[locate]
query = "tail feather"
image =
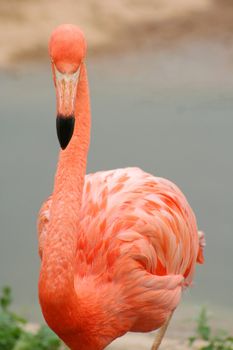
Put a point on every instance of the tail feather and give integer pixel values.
(154, 299)
(202, 243)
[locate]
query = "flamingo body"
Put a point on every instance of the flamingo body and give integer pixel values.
(117, 247)
(136, 250)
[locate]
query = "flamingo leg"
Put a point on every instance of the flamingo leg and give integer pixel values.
(159, 336)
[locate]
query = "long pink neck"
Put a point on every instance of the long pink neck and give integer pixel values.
(56, 283)
(79, 316)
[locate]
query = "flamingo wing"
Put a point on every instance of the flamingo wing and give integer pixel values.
(128, 203)
(138, 231)
(42, 223)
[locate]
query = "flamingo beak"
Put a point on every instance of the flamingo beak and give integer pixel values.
(66, 91)
(65, 129)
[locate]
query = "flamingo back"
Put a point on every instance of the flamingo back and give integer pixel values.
(137, 240)
(125, 207)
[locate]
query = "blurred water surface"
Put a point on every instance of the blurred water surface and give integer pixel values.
(168, 112)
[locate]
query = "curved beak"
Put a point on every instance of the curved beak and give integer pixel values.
(66, 91)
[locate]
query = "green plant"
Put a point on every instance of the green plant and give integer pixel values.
(13, 335)
(219, 341)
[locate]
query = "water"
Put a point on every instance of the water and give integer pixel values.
(168, 112)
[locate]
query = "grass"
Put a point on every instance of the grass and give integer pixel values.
(13, 335)
(220, 340)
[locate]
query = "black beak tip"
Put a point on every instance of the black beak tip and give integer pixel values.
(65, 129)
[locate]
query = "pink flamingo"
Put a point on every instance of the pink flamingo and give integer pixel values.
(117, 247)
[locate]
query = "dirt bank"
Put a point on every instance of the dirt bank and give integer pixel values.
(109, 25)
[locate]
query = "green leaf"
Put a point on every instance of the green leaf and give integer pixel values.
(27, 341)
(10, 331)
(48, 339)
(218, 341)
(208, 347)
(44, 339)
(6, 298)
(192, 340)
(14, 337)
(203, 328)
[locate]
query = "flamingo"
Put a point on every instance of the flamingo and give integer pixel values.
(117, 247)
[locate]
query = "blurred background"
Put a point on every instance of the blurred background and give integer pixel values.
(161, 81)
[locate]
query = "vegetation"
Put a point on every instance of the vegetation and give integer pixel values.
(219, 341)
(13, 335)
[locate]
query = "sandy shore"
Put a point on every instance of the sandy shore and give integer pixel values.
(144, 341)
(109, 25)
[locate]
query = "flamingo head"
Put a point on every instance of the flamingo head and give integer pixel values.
(67, 49)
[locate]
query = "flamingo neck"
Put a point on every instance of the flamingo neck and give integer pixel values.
(56, 284)
(71, 169)
(81, 316)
